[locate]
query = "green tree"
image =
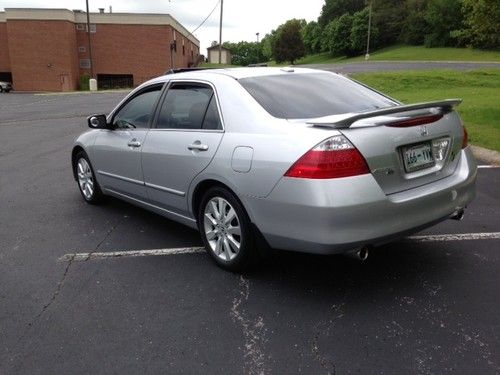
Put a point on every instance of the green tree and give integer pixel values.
(326, 41)
(311, 35)
(482, 24)
(389, 16)
(414, 26)
(359, 32)
(267, 45)
(288, 44)
(443, 17)
(333, 9)
(245, 53)
(337, 36)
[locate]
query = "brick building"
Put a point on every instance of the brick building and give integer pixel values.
(48, 49)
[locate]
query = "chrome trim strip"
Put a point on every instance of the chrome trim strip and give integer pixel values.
(164, 189)
(186, 130)
(150, 205)
(121, 178)
(147, 184)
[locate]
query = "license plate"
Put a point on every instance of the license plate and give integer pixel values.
(417, 157)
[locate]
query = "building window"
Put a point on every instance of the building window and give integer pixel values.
(115, 81)
(80, 26)
(183, 50)
(84, 63)
(82, 49)
(93, 28)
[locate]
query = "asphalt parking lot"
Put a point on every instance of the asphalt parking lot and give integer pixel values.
(427, 305)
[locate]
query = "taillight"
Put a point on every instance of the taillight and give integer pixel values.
(415, 121)
(333, 158)
(465, 140)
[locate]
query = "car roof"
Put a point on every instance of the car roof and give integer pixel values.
(247, 72)
(239, 73)
(234, 73)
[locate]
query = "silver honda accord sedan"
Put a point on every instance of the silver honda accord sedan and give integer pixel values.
(293, 159)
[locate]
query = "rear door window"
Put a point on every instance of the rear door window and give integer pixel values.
(212, 119)
(189, 106)
(303, 96)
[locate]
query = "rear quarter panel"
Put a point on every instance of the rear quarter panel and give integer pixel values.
(276, 143)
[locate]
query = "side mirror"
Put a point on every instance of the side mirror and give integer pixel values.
(98, 122)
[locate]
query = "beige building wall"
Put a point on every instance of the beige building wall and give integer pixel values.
(213, 56)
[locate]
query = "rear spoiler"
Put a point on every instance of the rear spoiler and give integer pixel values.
(345, 121)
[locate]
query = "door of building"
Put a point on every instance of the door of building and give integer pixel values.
(65, 82)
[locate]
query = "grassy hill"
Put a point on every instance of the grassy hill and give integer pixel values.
(410, 53)
(479, 89)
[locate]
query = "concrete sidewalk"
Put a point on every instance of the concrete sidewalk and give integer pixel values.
(488, 156)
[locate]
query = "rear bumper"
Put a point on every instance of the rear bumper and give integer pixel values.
(338, 215)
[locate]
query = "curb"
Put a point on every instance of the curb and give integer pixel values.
(489, 156)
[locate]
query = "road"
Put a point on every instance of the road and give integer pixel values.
(414, 307)
(389, 66)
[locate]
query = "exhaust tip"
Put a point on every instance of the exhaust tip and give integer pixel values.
(363, 254)
(359, 254)
(458, 215)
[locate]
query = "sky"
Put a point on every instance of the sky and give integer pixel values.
(242, 18)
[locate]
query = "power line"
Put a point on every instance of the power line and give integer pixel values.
(205, 20)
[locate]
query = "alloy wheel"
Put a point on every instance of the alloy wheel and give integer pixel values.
(222, 228)
(85, 178)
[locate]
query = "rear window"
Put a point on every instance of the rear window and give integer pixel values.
(302, 96)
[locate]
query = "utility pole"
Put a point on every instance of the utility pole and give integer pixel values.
(257, 37)
(367, 56)
(220, 31)
(90, 44)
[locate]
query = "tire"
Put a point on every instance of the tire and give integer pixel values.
(85, 178)
(1, 89)
(224, 224)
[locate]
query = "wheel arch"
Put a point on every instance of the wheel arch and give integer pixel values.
(263, 245)
(75, 152)
(203, 186)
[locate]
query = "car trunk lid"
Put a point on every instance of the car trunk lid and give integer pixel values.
(404, 146)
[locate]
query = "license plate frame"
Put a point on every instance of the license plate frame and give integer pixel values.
(420, 152)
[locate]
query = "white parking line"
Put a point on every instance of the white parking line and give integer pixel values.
(487, 166)
(455, 237)
(79, 257)
(131, 253)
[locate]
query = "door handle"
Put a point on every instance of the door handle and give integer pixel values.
(134, 143)
(198, 146)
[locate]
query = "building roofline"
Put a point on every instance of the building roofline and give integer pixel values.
(217, 47)
(58, 14)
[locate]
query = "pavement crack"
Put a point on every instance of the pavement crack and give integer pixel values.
(108, 233)
(53, 298)
(70, 259)
(321, 328)
(60, 284)
(253, 331)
